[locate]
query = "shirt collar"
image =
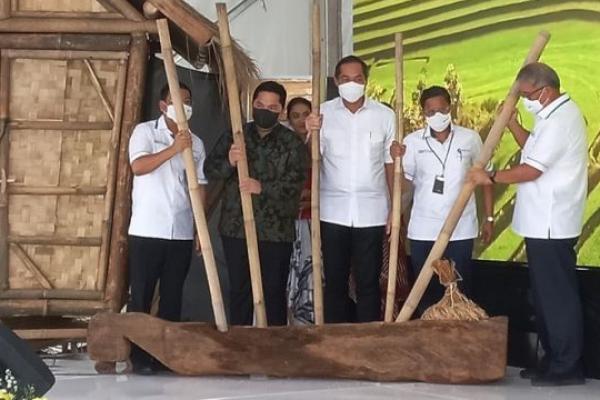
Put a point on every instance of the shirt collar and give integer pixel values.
(161, 124)
(553, 106)
(367, 104)
(427, 131)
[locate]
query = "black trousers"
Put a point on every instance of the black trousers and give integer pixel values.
(459, 251)
(360, 250)
(152, 260)
(275, 268)
(557, 303)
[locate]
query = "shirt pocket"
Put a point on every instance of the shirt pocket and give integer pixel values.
(464, 156)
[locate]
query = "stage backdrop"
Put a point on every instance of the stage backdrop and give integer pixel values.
(474, 48)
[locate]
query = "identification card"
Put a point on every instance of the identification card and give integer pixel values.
(438, 185)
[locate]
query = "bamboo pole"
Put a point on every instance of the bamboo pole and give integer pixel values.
(4, 156)
(397, 189)
(5, 9)
(56, 240)
(43, 334)
(468, 188)
(65, 54)
(31, 266)
(196, 26)
(51, 294)
(125, 8)
(233, 95)
(117, 266)
(75, 25)
(192, 179)
(66, 15)
(65, 41)
(315, 222)
(57, 190)
(109, 198)
(61, 125)
(100, 90)
(44, 307)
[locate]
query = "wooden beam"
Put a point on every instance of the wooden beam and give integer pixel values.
(44, 334)
(430, 351)
(65, 41)
(55, 240)
(65, 54)
(124, 7)
(75, 25)
(132, 109)
(31, 266)
(49, 294)
(43, 307)
(20, 189)
(4, 156)
(5, 9)
(60, 125)
(113, 155)
(65, 15)
(100, 90)
(199, 28)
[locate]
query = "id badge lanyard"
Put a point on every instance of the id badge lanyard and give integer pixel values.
(438, 182)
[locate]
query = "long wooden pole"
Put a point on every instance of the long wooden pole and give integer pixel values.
(4, 156)
(490, 144)
(317, 261)
(233, 95)
(75, 25)
(397, 189)
(192, 179)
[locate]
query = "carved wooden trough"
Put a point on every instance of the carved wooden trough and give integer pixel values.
(429, 351)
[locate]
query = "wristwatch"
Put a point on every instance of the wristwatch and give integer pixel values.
(492, 175)
(490, 219)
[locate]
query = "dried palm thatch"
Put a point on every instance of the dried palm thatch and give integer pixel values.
(454, 305)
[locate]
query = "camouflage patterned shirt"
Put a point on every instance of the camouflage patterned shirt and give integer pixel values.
(279, 162)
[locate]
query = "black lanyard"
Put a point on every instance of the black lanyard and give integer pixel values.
(442, 163)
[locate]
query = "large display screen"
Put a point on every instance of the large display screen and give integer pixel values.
(474, 48)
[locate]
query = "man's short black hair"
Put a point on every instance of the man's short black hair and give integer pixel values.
(164, 92)
(273, 87)
(297, 100)
(434, 91)
(350, 60)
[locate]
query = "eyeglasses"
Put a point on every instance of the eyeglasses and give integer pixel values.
(529, 94)
(431, 113)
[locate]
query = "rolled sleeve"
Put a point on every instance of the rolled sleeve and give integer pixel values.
(547, 148)
(140, 143)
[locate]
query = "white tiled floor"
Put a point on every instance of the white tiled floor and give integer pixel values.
(77, 380)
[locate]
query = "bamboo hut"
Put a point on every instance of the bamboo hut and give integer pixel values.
(72, 76)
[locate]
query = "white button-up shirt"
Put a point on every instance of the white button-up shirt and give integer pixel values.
(421, 166)
(161, 205)
(354, 149)
(551, 207)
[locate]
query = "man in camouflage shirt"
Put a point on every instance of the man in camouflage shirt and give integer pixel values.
(277, 161)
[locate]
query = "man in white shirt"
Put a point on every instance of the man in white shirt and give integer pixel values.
(161, 230)
(551, 192)
(436, 161)
(356, 176)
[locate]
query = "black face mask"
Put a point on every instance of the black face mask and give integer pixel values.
(265, 118)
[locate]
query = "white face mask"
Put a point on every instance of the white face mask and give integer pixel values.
(533, 106)
(438, 122)
(187, 109)
(351, 91)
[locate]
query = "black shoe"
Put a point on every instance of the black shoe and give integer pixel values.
(530, 373)
(564, 379)
(143, 369)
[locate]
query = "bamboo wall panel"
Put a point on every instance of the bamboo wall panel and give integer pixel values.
(59, 5)
(65, 267)
(84, 158)
(32, 215)
(82, 101)
(37, 89)
(34, 157)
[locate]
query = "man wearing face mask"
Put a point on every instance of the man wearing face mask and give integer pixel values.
(436, 160)
(551, 191)
(161, 230)
(277, 162)
(356, 179)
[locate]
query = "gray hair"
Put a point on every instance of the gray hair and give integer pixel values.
(539, 74)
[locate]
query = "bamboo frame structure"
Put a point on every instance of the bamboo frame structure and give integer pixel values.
(192, 180)
(65, 54)
(65, 41)
(317, 260)
(51, 294)
(132, 109)
(468, 188)
(397, 188)
(4, 156)
(242, 166)
(31, 266)
(75, 25)
(109, 198)
(61, 125)
(98, 86)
